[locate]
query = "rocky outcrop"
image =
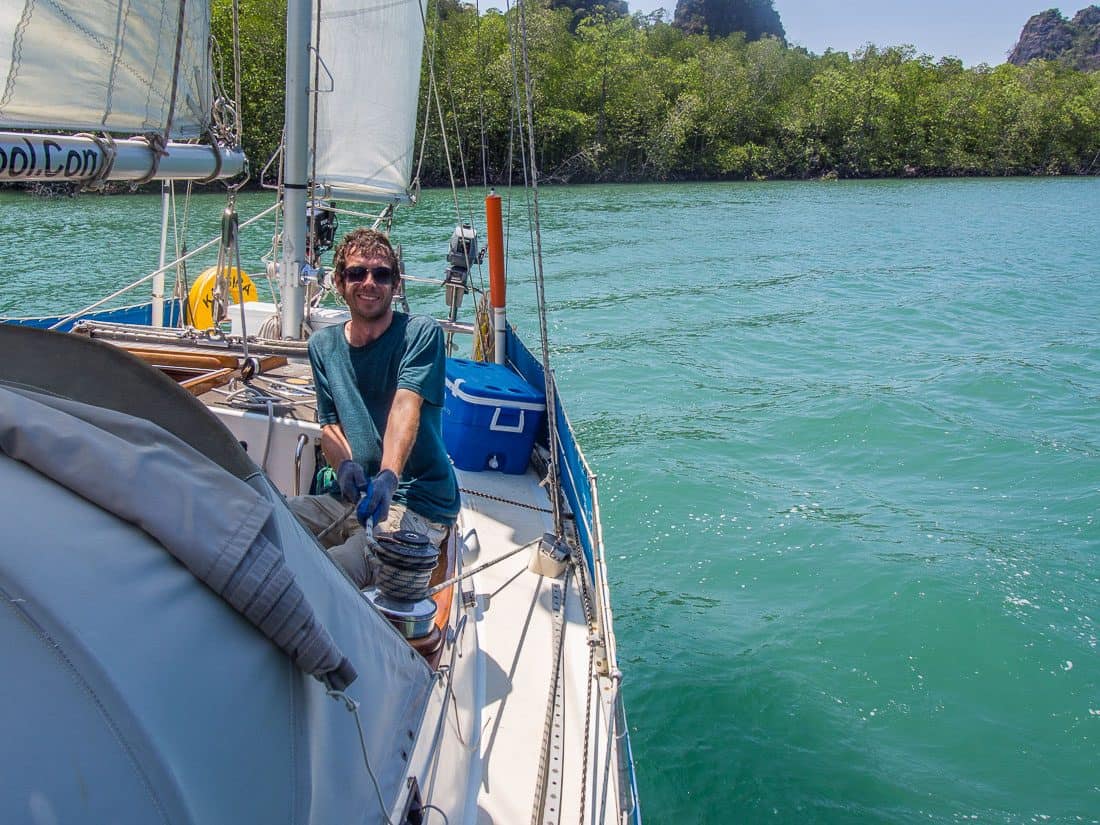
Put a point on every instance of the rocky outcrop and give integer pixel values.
(1087, 23)
(1050, 36)
(720, 18)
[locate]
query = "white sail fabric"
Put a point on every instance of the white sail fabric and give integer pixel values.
(105, 65)
(366, 125)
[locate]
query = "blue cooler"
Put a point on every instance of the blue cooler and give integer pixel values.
(490, 416)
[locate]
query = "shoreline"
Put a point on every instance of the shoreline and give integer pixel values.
(61, 189)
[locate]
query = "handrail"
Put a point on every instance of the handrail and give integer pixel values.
(303, 439)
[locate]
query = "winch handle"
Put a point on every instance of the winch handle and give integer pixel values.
(361, 514)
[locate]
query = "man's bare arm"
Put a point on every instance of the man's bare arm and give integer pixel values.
(401, 427)
(334, 444)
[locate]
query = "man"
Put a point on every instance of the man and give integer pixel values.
(379, 380)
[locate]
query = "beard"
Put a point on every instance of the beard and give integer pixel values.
(361, 305)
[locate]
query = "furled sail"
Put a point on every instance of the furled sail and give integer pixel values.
(106, 65)
(366, 124)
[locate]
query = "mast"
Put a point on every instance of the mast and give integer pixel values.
(295, 168)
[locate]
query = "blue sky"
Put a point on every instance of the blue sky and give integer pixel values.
(977, 31)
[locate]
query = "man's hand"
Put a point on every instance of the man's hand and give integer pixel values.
(352, 480)
(382, 488)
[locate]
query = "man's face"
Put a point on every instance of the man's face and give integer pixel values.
(366, 288)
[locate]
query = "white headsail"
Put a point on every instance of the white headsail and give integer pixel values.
(106, 65)
(367, 124)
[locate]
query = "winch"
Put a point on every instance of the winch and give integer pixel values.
(401, 593)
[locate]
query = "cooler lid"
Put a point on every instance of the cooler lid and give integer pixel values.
(479, 382)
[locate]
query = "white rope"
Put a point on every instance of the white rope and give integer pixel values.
(353, 708)
(585, 769)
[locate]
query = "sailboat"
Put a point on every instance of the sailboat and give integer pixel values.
(180, 648)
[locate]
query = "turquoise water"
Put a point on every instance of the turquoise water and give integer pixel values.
(848, 439)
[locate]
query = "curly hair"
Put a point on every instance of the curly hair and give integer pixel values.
(364, 243)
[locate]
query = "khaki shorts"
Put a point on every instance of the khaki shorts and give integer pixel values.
(348, 543)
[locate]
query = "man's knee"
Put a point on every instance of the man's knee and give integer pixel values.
(360, 565)
(402, 518)
(324, 513)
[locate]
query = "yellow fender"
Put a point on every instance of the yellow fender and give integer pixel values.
(200, 300)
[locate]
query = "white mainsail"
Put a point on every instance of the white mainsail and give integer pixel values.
(106, 65)
(366, 125)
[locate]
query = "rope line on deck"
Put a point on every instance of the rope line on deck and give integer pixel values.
(587, 727)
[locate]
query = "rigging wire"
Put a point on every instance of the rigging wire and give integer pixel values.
(458, 136)
(181, 251)
(313, 256)
(439, 106)
(238, 127)
(433, 93)
(181, 21)
(427, 121)
(540, 283)
(316, 92)
(515, 124)
(481, 96)
(271, 258)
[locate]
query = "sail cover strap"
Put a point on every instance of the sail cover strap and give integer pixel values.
(206, 518)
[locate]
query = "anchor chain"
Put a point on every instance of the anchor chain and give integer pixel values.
(503, 500)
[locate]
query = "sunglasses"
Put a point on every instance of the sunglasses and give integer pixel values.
(383, 275)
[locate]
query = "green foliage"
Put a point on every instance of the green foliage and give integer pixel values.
(635, 98)
(263, 60)
(621, 98)
(583, 9)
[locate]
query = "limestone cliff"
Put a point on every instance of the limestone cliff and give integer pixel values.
(719, 18)
(1050, 36)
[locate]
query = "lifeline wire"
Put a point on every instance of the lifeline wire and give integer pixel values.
(153, 274)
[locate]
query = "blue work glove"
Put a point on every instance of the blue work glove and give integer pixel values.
(352, 480)
(375, 505)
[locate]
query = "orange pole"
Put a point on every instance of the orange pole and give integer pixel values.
(494, 228)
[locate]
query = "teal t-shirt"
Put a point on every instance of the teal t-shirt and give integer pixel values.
(356, 386)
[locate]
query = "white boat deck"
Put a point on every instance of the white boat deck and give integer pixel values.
(516, 632)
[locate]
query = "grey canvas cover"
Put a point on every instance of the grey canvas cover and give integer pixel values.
(132, 692)
(70, 443)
